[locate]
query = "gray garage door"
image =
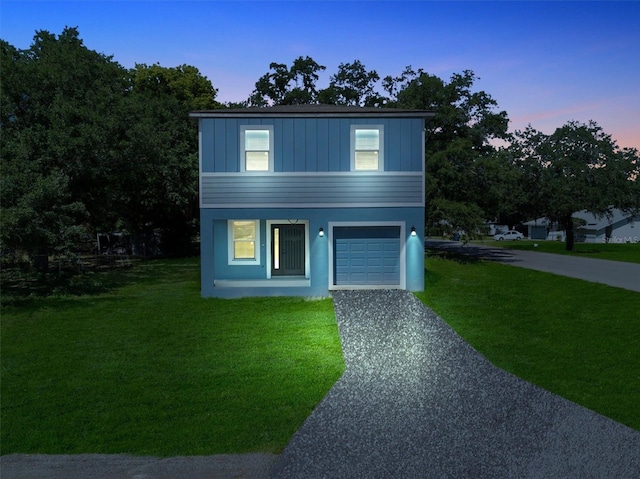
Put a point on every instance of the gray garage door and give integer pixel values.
(367, 256)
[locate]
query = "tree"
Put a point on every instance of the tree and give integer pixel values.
(162, 185)
(185, 83)
(577, 167)
(59, 133)
(88, 146)
(465, 172)
(352, 85)
(288, 86)
(467, 176)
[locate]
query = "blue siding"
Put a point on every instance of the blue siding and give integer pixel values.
(317, 190)
(232, 144)
(334, 142)
(391, 146)
(322, 159)
(312, 182)
(310, 144)
(214, 262)
(301, 144)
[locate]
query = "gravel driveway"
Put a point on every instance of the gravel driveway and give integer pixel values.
(416, 401)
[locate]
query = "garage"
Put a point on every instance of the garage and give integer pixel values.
(367, 256)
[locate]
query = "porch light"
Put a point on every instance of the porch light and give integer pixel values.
(413, 231)
(321, 231)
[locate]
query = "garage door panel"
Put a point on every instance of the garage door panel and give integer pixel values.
(374, 247)
(389, 262)
(341, 247)
(357, 247)
(391, 246)
(374, 262)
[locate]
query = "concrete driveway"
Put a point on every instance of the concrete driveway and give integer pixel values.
(612, 273)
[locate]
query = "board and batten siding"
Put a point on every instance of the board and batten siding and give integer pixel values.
(310, 144)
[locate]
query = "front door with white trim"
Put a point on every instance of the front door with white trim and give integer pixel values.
(287, 250)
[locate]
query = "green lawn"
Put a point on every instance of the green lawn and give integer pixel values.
(152, 368)
(628, 252)
(149, 367)
(577, 339)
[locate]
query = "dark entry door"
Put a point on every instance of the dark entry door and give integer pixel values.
(287, 250)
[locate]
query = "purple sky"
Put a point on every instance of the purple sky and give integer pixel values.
(545, 63)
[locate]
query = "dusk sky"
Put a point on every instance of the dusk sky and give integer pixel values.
(545, 63)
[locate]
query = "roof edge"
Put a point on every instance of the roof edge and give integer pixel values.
(316, 111)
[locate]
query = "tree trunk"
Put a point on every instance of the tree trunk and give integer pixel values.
(568, 228)
(41, 260)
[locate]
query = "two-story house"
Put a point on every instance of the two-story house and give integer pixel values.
(301, 200)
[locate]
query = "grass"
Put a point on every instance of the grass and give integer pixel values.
(628, 252)
(577, 339)
(148, 367)
(151, 368)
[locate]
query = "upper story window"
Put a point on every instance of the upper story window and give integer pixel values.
(367, 148)
(244, 241)
(256, 147)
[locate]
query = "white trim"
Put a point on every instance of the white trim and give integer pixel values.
(201, 175)
(286, 282)
(243, 165)
(403, 262)
(310, 205)
(307, 250)
(313, 173)
(423, 164)
(352, 147)
(232, 261)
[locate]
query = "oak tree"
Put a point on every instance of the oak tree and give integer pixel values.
(578, 167)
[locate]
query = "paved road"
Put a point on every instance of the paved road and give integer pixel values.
(612, 273)
(123, 466)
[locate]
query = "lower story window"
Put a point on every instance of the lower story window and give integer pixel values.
(244, 242)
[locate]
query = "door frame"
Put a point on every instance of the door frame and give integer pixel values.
(307, 259)
(403, 261)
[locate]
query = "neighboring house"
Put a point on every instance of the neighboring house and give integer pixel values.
(619, 227)
(301, 200)
(543, 229)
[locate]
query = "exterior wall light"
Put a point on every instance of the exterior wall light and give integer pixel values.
(413, 231)
(321, 231)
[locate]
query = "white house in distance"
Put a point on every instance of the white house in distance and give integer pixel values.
(620, 227)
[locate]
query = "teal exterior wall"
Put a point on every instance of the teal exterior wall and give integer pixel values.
(214, 249)
(310, 144)
(310, 180)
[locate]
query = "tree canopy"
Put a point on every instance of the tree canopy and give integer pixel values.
(577, 167)
(465, 174)
(89, 146)
(295, 85)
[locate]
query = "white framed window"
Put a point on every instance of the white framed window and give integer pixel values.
(256, 148)
(367, 148)
(244, 242)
